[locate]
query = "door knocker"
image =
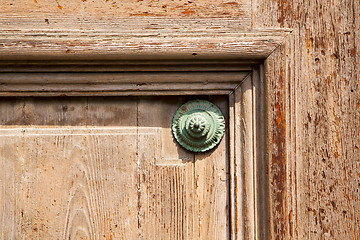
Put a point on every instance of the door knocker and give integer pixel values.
(198, 125)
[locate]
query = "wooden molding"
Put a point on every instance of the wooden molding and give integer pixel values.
(137, 38)
(162, 79)
(153, 56)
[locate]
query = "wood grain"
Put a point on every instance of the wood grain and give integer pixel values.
(136, 38)
(211, 175)
(106, 168)
(198, 185)
(65, 183)
(311, 85)
(54, 11)
(314, 81)
(261, 202)
(167, 180)
(247, 157)
(57, 80)
(193, 65)
(167, 82)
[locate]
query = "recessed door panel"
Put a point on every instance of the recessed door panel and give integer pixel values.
(107, 168)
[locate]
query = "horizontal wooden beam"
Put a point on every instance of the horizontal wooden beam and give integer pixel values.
(108, 78)
(100, 84)
(114, 93)
(141, 38)
(117, 87)
(124, 66)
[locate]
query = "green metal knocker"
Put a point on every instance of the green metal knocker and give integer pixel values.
(198, 125)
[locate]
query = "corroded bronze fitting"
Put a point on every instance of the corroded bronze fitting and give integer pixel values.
(198, 125)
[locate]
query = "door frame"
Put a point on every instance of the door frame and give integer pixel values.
(242, 64)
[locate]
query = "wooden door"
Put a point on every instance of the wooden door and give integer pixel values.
(107, 168)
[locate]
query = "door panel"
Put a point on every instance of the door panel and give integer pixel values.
(107, 168)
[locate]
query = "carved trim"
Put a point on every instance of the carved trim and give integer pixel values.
(165, 48)
(120, 78)
(140, 38)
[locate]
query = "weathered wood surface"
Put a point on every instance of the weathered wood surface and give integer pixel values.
(105, 9)
(123, 78)
(112, 66)
(314, 118)
(165, 41)
(115, 37)
(312, 95)
(124, 84)
(210, 190)
(107, 168)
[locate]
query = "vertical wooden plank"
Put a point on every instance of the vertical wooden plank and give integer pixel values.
(238, 166)
(295, 167)
(247, 156)
(8, 208)
(165, 173)
(104, 183)
(276, 150)
(212, 187)
(232, 167)
(260, 178)
(165, 203)
(316, 84)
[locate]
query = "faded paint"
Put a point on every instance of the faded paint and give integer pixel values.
(117, 8)
(319, 70)
(321, 75)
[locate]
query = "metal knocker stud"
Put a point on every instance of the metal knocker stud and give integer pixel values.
(198, 125)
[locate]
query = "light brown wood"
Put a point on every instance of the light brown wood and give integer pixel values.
(107, 168)
(131, 82)
(247, 157)
(136, 38)
(90, 11)
(64, 180)
(193, 65)
(211, 173)
(313, 118)
(311, 86)
(64, 183)
(167, 180)
(236, 166)
(215, 181)
(233, 180)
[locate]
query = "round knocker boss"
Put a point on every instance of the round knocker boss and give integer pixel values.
(198, 125)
